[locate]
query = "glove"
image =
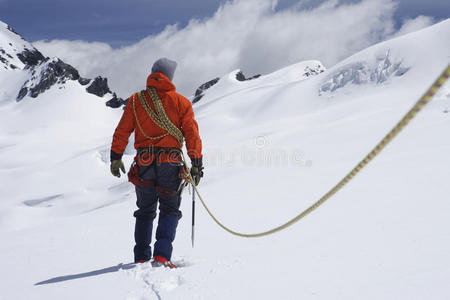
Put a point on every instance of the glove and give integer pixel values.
(196, 173)
(116, 166)
(197, 170)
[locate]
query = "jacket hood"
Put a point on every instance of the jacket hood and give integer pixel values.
(160, 82)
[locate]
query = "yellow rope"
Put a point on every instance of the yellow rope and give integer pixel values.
(160, 118)
(164, 119)
(426, 98)
(139, 124)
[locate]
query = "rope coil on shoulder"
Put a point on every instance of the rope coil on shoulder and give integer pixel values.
(166, 122)
(160, 118)
(424, 100)
(139, 124)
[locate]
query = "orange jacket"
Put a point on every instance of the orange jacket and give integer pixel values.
(178, 109)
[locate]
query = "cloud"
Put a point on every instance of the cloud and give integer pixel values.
(247, 34)
(79, 53)
(411, 25)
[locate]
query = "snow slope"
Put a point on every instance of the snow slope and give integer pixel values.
(273, 146)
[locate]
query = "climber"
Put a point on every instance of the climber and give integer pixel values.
(160, 119)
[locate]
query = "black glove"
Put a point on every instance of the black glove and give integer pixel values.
(116, 166)
(197, 170)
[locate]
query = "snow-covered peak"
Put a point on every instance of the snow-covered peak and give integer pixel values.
(236, 81)
(15, 51)
(296, 72)
(25, 71)
(46, 75)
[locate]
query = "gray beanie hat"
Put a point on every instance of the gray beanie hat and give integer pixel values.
(165, 66)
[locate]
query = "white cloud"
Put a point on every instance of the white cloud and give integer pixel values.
(411, 25)
(247, 34)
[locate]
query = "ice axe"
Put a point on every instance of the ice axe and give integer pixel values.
(187, 179)
(193, 216)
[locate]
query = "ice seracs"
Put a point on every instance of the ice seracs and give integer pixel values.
(381, 69)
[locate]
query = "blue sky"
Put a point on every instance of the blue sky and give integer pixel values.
(124, 22)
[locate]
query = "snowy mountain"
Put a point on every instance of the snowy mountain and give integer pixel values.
(273, 145)
(297, 72)
(24, 71)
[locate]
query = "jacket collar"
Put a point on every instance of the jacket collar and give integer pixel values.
(160, 82)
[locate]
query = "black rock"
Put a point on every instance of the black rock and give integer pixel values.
(11, 29)
(3, 60)
(22, 93)
(31, 57)
(199, 93)
(241, 77)
(115, 102)
(313, 72)
(55, 71)
(99, 87)
(84, 81)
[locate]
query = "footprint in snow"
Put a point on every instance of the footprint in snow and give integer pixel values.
(157, 280)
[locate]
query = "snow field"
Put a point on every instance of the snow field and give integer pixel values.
(272, 148)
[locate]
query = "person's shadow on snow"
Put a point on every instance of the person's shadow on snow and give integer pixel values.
(113, 269)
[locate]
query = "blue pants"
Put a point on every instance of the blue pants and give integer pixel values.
(166, 176)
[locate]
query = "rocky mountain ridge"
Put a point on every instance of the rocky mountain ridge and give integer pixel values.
(41, 73)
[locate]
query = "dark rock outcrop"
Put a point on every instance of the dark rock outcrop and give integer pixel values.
(313, 71)
(3, 60)
(22, 93)
(241, 77)
(31, 57)
(115, 102)
(45, 76)
(44, 73)
(11, 29)
(99, 87)
(199, 93)
(84, 81)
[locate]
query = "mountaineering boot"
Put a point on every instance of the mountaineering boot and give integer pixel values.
(143, 236)
(159, 261)
(141, 261)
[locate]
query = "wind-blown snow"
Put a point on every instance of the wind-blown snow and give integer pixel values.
(273, 146)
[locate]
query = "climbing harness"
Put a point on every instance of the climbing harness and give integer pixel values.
(424, 100)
